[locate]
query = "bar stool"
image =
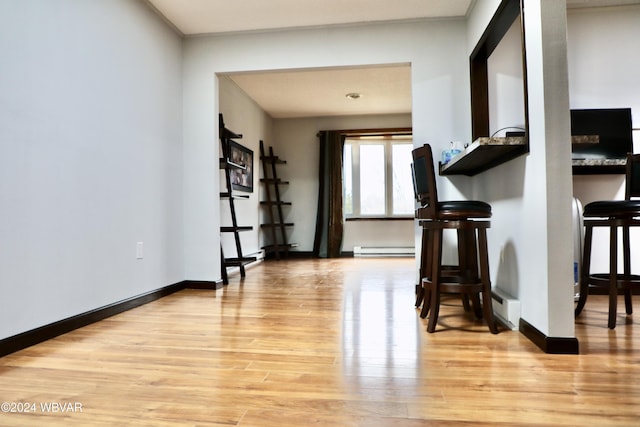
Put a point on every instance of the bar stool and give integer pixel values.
(470, 277)
(613, 214)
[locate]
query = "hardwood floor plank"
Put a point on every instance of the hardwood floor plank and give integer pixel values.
(322, 342)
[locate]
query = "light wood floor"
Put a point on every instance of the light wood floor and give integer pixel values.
(323, 343)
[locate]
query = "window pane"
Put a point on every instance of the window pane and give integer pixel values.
(372, 188)
(348, 180)
(402, 186)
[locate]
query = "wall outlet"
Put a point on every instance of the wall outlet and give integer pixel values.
(139, 250)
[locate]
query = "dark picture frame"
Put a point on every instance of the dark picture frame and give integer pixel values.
(241, 172)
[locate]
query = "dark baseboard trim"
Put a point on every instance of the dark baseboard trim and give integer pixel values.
(550, 345)
(52, 330)
(203, 284)
(271, 256)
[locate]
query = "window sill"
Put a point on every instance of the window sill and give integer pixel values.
(381, 218)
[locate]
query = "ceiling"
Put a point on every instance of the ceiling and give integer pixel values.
(320, 92)
(312, 92)
(219, 16)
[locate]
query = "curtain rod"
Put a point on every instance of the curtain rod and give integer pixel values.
(372, 132)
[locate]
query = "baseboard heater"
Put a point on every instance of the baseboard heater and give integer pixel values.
(363, 251)
(506, 308)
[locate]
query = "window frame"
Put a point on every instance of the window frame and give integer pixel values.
(388, 141)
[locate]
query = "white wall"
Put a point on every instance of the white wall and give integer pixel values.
(91, 160)
(242, 115)
(603, 64)
(603, 59)
(295, 140)
(530, 235)
(530, 239)
(506, 87)
(440, 91)
(90, 157)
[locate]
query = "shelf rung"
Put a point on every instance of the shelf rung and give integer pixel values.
(236, 262)
(280, 246)
(274, 203)
(224, 164)
(274, 159)
(231, 229)
(227, 134)
(285, 224)
(226, 194)
(274, 181)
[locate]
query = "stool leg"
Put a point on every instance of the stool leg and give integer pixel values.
(584, 273)
(613, 273)
(468, 266)
(426, 303)
(433, 271)
(462, 260)
(466, 303)
(477, 306)
(436, 263)
(486, 282)
(626, 245)
(426, 258)
(468, 254)
(424, 254)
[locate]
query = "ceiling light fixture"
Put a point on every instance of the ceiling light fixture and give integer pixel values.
(353, 95)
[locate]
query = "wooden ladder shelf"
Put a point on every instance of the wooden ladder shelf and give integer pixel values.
(275, 227)
(240, 260)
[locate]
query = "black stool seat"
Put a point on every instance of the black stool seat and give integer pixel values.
(612, 208)
(463, 209)
(456, 210)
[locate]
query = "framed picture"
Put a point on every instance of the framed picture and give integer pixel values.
(241, 158)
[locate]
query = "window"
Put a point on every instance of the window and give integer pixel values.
(377, 177)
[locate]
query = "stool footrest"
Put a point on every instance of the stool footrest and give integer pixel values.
(623, 280)
(460, 285)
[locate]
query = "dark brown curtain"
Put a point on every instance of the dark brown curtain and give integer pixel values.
(329, 220)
